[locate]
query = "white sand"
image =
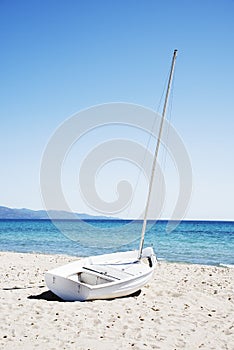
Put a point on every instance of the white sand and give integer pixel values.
(183, 307)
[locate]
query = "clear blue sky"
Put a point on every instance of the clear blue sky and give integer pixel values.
(58, 57)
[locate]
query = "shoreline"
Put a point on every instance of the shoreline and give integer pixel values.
(160, 260)
(185, 306)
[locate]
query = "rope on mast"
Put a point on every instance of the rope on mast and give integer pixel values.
(156, 154)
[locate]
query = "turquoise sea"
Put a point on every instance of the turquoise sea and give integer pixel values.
(202, 242)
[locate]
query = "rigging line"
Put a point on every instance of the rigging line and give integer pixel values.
(169, 118)
(167, 130)
(163, 92)
(156, 154)
(147, 145)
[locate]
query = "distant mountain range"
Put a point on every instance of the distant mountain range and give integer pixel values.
(28, 214)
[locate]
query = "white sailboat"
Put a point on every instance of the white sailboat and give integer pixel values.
(110, 275)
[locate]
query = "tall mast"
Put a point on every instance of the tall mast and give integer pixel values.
(156, 153)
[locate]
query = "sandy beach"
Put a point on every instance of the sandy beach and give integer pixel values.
(183, 307)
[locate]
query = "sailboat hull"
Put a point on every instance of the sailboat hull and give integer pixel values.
(102, 277)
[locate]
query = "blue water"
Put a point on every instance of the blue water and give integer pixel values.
(202, 242)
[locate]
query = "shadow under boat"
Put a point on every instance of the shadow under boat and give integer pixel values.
(49, 296)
